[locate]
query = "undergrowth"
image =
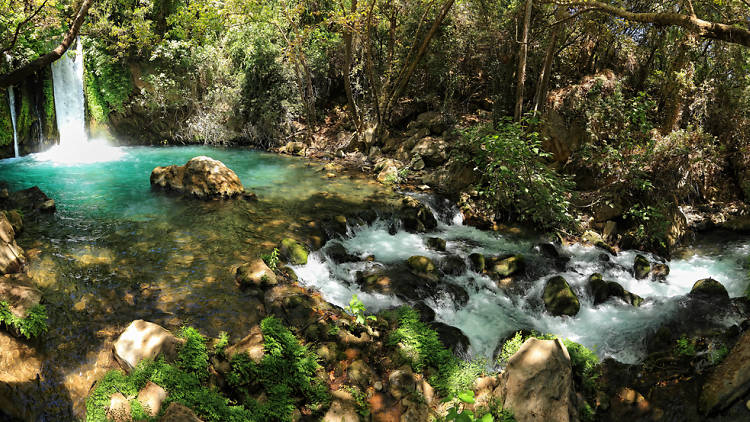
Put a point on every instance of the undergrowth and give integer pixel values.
(285, 374)
(420, 347)
(33, 325)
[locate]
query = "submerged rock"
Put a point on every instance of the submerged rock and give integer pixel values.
(602, 291)
(453, 265)
(32, 200)
(559, 298)
(416, 216)
(708, 288)
(338, 253)
(659, 272)
(256, 275)
(504, 266)
(729, 381)
(144, 340)
(421, 265)
(641, 267)
(436, 243)
(452, 337)
(202, 177)
(293, 252)
(477, 262)
(537, 384)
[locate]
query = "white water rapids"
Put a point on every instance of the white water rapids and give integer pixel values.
(613, 329)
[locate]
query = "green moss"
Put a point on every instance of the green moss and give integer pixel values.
(24, 119)
(287, 374)
(50, 123)
(33, 325)
(6, 124)
(107, 82)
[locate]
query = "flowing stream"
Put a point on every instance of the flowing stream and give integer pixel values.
(116, 251)
(614, 329)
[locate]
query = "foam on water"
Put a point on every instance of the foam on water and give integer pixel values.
(613, 329)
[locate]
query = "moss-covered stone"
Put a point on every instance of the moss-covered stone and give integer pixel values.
(710, 289)
(293, 252)
(559, 298)
(641, 267)
(477, 262)
(421, 264)
(505, 266)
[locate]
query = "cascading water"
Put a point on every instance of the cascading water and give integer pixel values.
(12, 100)
(614, 329)
(67, 79)
(75, 147)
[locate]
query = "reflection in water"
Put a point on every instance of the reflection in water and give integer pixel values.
(116, 251)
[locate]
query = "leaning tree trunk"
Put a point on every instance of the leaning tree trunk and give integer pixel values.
(549, 59)
(521, 72)
(678, 87)
(18, 75)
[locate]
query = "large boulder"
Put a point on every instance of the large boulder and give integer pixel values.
(452, 337)
(144, 340)
(32, 200)
(602, 291)
(729, 381)
(559, 298)
(11, 255)
(434, 151)
(451, 178)
(537, 384)
(708, 288)
(202, 177)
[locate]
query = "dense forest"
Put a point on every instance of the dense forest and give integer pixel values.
(619, 125)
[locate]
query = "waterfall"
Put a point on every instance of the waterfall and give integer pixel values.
(12, 100)
(67, 81)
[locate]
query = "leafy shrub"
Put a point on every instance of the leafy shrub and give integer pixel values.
(420, 347)
(685, 347)
(272, 259)
(107, 82)
(357, 308)
(193, 356)
(716, 354)
(516, 179)
(221, 343)
(287, 374)
(33, 325)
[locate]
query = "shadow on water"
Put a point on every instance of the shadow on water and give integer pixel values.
(172, 265)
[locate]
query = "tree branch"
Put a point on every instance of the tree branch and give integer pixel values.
(700, 27)
(41, 62)
(20, 25)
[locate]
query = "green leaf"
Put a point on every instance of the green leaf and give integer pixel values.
(466, 396)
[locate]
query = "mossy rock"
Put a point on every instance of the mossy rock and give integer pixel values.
(421, 264)
(709, 288)
(559, 298)
(602, 290)
(477, 262)
(436, 243)
(641, 267)
(505, 267)
(293, 252)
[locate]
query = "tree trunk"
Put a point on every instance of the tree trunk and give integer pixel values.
(410, 67)
(348, 38)
(677, 88)
(18, 75)
(549, 58)
(521, 72)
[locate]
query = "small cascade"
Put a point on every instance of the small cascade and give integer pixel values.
(12, 100)
(67, 81)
